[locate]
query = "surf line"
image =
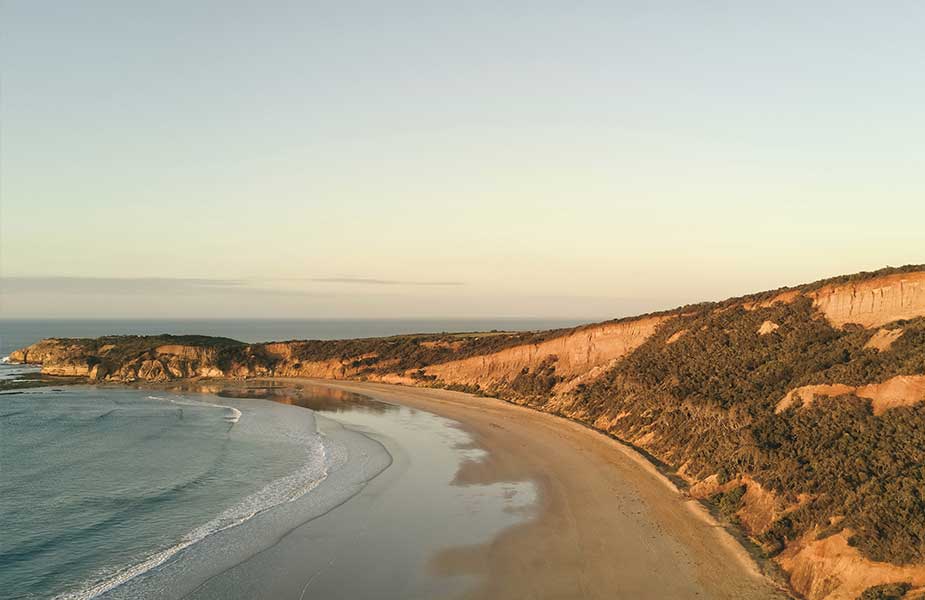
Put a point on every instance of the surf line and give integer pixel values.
(232, 418)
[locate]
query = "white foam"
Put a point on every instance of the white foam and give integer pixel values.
(234, 417)
(11, 370)
(277, 492)
(286, 489)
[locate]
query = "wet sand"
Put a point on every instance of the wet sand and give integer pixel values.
(606, 523)
(379, 543)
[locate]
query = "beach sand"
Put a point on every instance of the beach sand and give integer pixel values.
(607, 524)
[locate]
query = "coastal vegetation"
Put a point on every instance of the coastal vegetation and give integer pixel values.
(125, 347)
(709, 398)
(888, 591)
(406, 352)
(703, 394)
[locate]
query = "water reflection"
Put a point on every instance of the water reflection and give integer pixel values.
(314, 397)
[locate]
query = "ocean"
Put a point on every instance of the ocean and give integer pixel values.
(102, 485)
(119, 492)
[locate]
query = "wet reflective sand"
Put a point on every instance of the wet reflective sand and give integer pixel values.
(388, 540)
(489, 500)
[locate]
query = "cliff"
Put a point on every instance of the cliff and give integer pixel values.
(575, 354)
(798, 413)
(874, 302)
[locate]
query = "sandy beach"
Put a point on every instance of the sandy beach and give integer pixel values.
(427, 494)
(607, 524)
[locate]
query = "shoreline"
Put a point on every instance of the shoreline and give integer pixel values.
(607, 521)
(577, 520)
(381, 542)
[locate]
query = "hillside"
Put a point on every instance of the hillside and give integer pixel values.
(797, 413)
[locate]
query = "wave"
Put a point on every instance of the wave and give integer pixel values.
(234, 417)
(277, 492)
(5, 360)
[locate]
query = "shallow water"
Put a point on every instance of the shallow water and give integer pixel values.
(388, 541)
(102, 485)
(207, 493)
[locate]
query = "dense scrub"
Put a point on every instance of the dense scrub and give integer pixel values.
(889, 591)
(539, 382)
(118, 348)
(860, 277)
(730, 501)
(866, 470)
(709, 398)
(702, 391)
(368, 355)
(407, 352)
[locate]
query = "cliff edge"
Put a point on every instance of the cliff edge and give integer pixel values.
(799, 413)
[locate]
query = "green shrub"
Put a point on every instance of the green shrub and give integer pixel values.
(889, 591)
(730, 501)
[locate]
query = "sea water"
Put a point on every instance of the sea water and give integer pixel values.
(101, 488)
(117, 493)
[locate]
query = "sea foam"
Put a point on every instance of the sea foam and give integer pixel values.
(280, 491)
(233, 416)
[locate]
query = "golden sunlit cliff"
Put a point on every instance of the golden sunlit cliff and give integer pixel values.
(798, 414)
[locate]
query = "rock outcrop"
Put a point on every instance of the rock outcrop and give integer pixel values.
(572, 355)
(830, 568)
(768, 327)
(57, 357)
(883, 339)
(875, 302)
(760, 507)
(902, 390)
(749, 367)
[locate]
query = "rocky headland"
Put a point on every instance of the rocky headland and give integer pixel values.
(797, 414)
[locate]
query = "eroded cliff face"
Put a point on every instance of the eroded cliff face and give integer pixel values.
(57, 357)
(830, 568)
(902, 390)
(875, 302)
(820, 569)
(574, 356)
(172, 362)
(64, 357)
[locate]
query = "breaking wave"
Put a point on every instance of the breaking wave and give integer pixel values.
(233, 416)
(280, 491)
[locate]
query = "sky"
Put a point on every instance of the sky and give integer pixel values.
(433, 159)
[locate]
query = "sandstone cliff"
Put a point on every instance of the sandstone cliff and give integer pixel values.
(874, 302)
(709, 390)
(575, 355)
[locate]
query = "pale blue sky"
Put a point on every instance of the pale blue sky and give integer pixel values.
(427, 159)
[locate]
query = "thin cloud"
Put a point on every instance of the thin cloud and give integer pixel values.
(182, 286)
(113, 285)
(371, 281)
(135, 286)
